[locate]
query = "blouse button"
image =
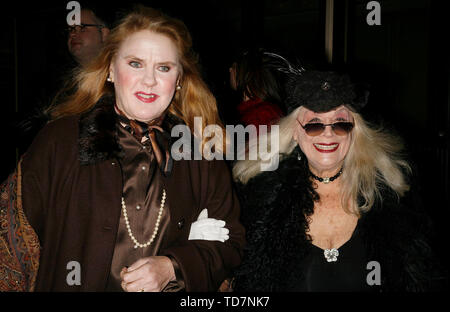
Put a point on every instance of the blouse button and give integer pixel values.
(143, 167)
(138, 207)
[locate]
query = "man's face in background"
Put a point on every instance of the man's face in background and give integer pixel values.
(84, 43)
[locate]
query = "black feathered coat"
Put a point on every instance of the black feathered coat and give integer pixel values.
(274, 205)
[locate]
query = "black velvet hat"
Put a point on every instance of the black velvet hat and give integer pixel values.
(324, 91)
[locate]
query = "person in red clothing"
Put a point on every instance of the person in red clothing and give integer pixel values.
(257, 78)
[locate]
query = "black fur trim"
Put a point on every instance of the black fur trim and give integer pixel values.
(276, 225)
(98, 139)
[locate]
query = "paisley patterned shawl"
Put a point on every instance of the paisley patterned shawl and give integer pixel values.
(19, 244)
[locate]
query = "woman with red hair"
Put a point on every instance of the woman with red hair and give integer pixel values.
(98, 191)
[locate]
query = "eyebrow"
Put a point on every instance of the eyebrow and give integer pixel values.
(336, 117)
(342, 110)
(143, 61)
(133, 57)
(342, 115)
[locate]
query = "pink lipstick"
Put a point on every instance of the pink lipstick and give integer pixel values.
(146, 97)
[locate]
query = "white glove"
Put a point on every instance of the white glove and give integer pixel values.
(208, 228)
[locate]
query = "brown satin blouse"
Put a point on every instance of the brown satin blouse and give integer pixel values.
(142, 191)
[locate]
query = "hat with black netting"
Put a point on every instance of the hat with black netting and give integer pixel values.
(323, 91)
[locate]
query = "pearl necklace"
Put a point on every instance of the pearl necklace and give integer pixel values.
(155, 231)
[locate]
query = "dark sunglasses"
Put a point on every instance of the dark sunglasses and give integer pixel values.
(340, 128)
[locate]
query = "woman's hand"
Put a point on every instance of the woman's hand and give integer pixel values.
(150, 274)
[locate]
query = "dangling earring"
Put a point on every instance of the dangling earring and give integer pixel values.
(109, 79)
(299, 157)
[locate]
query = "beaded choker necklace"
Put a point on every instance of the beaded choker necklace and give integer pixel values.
(326, 180)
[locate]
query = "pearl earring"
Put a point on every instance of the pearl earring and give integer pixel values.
(178, 87)
(109, 79)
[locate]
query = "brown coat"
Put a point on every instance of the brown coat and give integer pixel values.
(72, 187)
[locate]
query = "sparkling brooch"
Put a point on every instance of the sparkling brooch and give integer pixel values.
(331, 254)
(325, 86)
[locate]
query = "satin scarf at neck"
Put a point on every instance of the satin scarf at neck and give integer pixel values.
(159, 139)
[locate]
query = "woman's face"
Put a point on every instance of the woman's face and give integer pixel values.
(145, 73)
(325, 152)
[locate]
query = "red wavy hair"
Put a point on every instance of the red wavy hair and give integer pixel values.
(193, 100)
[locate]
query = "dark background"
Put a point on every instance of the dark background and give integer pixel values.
(405, 59)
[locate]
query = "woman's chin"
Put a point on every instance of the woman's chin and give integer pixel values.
(327, 166)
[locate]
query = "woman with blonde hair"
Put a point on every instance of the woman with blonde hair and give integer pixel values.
(336, 215)
(101, 203)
